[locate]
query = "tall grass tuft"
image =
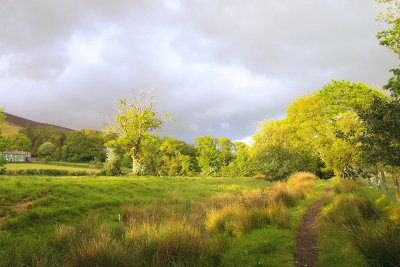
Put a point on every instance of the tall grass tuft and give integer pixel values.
(280, 194)
(153, 212)
(170, 243)
(301, 184)
(236, 220)
(376, 233)
(101, 250)
(279, 215)
(64, 236)
(379, 242)
(346, 186)
(352, 210)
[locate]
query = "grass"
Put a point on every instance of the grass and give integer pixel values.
(37, 166)
(117, 221)
(365, 222)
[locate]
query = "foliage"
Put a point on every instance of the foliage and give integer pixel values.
(18, 142)
(134, 119)
(46, 149)
(112, 165)
(208, 155)
(390, 37)
(368, 220)
(393, 84)
(80, 147)
(225, 147)
(41, 134)
(277, 153)
(242, 163)
(328, 122)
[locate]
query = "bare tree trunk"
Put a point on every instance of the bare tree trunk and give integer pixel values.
(396, 183)
(384, 179)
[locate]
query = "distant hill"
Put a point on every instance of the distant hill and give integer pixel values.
(15, 123)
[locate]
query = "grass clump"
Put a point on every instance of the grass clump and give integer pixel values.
(236, 220)
(372, 229)
(351, 210)
(170, 243)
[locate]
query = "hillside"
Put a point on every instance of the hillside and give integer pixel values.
(15, 123)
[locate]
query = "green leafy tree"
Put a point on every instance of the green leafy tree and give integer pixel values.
(150, 155)
(80, 147)
(393, 84)
(327, 122)
(19, 142)
(134, 119)
(46, 149)
(112, 166)
(381, 138)
(277, 153)
(390, 37)
(242, 162)
(178, 158)
(225, 147)
(208, 158)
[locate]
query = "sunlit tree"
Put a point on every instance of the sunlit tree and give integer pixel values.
(134, 119)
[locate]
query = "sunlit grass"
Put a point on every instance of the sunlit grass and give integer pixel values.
(114, 221)
(365, 222)
(37, 166)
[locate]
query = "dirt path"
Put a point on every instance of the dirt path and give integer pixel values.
(22, 205)
(306, 254)
(19, 207)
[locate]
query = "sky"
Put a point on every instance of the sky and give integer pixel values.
(220, 67)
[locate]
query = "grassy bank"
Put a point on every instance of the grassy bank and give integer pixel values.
(361, 227)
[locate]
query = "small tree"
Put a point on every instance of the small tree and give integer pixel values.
(19, 141)
(46, 149)
(134, 119)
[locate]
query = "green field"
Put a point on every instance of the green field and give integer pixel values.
(38, 166)
(181, 221)
(61, 203)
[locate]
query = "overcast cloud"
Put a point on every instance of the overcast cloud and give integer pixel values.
(219, 66)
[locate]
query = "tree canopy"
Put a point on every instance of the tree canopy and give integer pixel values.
(135, 118)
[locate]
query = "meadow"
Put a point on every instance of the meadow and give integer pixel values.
(130, 221)
(51, 166)
(195, 221)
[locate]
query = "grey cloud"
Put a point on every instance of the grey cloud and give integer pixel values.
(219, 67)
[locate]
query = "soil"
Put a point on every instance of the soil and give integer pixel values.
(22, 205)
(306, 241)
(19, 207)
